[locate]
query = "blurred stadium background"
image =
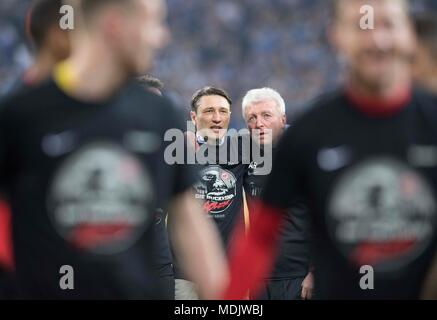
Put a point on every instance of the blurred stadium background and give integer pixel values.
(233, 44)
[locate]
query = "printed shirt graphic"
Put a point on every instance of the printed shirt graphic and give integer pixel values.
(99, 199)
(372, 194)
(381, 213)
(217, 188)
(84, 181)
(220, 186)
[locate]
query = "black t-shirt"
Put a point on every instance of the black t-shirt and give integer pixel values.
(293, 259)
(84, 180)
(221, 168)
(371, 185)
(220, 183)
(163, 256)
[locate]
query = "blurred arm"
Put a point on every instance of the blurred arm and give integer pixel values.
(429, 291)
(197, 246)
(253, 253)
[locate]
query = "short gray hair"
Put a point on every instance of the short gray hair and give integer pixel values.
(263, 94)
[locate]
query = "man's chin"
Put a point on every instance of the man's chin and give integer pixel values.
(377, 79)
(215, 137)
(261, 141)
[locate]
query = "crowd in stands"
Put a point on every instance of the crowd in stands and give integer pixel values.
(237, 45)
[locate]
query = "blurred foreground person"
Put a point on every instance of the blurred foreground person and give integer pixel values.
(163, 255)
(291, 278)
(50, 45)
(425, 68)
(365, 158)
(48, 42)
(82, 162)
(426, 75)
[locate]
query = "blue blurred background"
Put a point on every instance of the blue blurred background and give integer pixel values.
(236, 45)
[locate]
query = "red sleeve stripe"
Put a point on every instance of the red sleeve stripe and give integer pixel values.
(6, 253)
(252, 255)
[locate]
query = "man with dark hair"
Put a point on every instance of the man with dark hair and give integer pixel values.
(49, 42)
(208, 91)
(425, 69)
(82, 162)
(220, 183)
(163, 255)
(364, 159)
(151, 83)
(50, 45)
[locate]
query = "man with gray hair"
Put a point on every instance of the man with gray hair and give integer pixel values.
(264, 113)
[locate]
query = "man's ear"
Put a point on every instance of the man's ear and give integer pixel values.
(284, 119)
(193, 117)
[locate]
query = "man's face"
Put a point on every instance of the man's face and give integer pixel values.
(374, 56)
(145, 31)
(212, 116)
(265, 121)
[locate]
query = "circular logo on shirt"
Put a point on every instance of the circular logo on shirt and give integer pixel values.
(217, 187)
(99, 199)
(381, 213)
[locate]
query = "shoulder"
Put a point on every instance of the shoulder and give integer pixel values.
(156, 106)
(145, 99)
(27, 99)
(318, 115)
(425, 98)
(320, 108)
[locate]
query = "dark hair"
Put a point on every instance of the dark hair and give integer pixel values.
(41, 17)
(208, 91)
(426, 30)
(149, 81)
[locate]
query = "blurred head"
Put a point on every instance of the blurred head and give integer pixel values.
(264, 113)
(43, 29)
(211, 112)
(425, 68)
(151, 84)
(374, 57)
(132, 30)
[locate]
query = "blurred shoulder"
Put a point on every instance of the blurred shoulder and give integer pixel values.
(27, 98)
(318, 111)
